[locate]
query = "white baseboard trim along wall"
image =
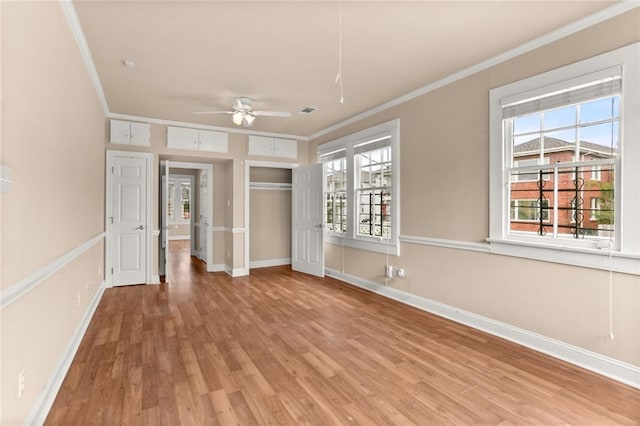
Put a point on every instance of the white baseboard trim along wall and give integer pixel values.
(270, 262)
(235, 272)
(618, 370)
(40, 410)
(218, 267)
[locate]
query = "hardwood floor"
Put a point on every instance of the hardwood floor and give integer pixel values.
(279, 347)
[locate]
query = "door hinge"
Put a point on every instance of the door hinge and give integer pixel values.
(113, 169)
(111, 271)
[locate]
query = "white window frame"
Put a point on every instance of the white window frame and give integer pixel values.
(596, 172)
(177, 181)
(324, 198)
(348, 144)
(625, 248)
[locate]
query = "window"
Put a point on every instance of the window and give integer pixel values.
(373, 192)
(336, 195)
(361, 188)
(563, 147)
(179, 198)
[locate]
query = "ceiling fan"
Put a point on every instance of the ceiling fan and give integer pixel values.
(243, 113)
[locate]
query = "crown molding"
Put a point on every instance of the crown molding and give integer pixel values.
(81, 40)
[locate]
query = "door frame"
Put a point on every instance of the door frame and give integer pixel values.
(109, 205)
(209, 168)
(247, 203)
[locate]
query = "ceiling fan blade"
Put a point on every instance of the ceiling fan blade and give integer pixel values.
(213, 112)
(272, 113)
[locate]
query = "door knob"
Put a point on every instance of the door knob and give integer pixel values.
(141, 227)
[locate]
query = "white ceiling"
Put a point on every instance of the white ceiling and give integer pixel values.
(193, 56)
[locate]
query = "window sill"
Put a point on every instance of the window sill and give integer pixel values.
(390, 248)
(585, 257)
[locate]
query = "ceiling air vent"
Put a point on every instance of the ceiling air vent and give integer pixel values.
(306, 110)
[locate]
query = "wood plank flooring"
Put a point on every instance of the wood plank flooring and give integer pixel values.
(284, 348)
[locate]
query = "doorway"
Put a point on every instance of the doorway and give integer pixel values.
(186, 215)
(267, 214)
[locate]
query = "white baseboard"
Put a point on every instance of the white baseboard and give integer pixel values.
(179, 237)
(270, 262)
(38, 413)
(610, 367)
(155, 279)
(217, 267)
(235, 272)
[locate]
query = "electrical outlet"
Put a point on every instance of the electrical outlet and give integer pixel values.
(22, 380)
(400, 272)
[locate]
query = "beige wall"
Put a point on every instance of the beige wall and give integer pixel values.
(444, 194)
(51, 118)
(270, 215)
(270, 224)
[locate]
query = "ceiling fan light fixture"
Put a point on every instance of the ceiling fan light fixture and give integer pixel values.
(248, 120)
(237, 118)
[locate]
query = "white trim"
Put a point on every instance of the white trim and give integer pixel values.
(155, 233)
(247, 199)
(179, 237)
(601, 364)
(22, 287)
(155, 279)
(583, 257)
(74, 24)
(218, 228)
(109, 204)
(608, 13)
(235, 272)
(270, 262)
(444, 243)
(273, 186)
(202, 126)
(218, 267)
(40, 410)
(237, 230)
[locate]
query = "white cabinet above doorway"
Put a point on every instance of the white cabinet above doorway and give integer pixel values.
(197, 140)
(267, 146)
(130, 133)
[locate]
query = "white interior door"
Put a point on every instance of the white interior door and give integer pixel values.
(129, 220)
(307, 249)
